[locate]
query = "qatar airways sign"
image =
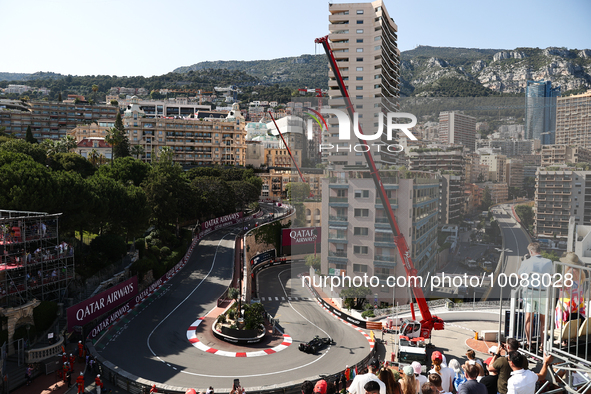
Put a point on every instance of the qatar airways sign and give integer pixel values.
(86, 311)
(217, 223)
(300, 236)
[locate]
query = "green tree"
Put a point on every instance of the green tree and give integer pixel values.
(35, 151)
(526, 215)
(313, 261)
(127, 170)
(72, 162)
(29, 136)
(95, 89)
(138, 151)
(486, 199)
(355, 297)
(297, 191)
(244, 193)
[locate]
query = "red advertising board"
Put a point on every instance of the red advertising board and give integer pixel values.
(300, 236)
(86, 311)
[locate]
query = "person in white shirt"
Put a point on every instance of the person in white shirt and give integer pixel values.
(421, 378)
(358, 383)
(446, 373)
(523, 381)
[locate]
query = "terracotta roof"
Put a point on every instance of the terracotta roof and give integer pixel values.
(89, 143)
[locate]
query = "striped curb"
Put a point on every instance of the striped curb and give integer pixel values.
(192, 337)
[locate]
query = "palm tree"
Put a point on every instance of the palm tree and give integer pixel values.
(138, 151)
(94, 155)
(102, 159)
(94, 89)
(68, 143)
(113, 138)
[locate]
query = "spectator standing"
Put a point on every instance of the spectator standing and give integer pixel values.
(492, 351)
(522, 381)
(446, 373)
(321, 387)
(372, 387)
(153, 389)
(501, 364)
(491, 380)
(307, 387)
(418, 368)
(360, 380)
(427, 388)
(387, 376)
(459, 377)
(535, 296)
(408, 383)
(472, 386)
(435, 381)
(476, 361)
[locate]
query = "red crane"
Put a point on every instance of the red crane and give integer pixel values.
(428, 322)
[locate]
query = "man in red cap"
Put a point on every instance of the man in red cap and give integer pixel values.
(98, 384)
(153, 389)
(80, 349)
(446, 373)
(320, 387)
(80, 383)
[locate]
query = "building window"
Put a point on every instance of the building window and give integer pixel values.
(360, 230)
(359, 49)
(361, 212)
(358, 87)
(359, 12)
(361, 193)
(360, 40)
(359, 59)
(359, 69)
(358, 97)
(360, 21)
(359, 268)
(359, 78)
(359, 31)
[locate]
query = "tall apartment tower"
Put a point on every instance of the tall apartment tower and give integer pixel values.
(457, 129)
(540, 111)
(573, 120)
(364, 42)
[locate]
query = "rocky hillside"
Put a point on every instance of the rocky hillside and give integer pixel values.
(434, 71)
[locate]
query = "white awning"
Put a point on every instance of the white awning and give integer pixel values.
(384, 230)
(338, 227)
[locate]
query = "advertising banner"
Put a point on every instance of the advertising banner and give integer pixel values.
(300, 240)
(86, 311)
(217, 223)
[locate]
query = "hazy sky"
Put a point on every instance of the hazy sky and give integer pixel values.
(148, 37)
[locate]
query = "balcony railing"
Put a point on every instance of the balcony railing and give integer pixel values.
(338, 218)
(378, 257)
(338, 199)
(342, 254)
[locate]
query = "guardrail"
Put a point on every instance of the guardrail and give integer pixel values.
(38, 355)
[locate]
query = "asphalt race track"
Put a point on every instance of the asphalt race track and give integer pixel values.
(153, 345)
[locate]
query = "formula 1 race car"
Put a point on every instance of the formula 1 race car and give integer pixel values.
(315, 344)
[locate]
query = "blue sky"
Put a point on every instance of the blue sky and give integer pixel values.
(148, 37)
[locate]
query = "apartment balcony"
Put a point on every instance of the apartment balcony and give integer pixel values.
(338, 256)
(384, 242)
(337, 239)
(339, 219)
(384, 258)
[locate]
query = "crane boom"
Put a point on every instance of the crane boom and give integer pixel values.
(428, 322)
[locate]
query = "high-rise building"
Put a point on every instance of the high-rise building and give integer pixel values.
(359, 237)
(364, 43)
(563, 154)
(457, 129)
(573, 120)
(514, 173)
(559, 195)
(496, 166)
(50, 120)
(540, 111)
(193, 141)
